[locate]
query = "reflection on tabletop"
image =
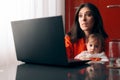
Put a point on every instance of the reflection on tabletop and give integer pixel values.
(42, 72)
(96, 71)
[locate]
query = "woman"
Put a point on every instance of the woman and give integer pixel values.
(87, 20)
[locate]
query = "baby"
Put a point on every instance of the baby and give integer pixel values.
(95, 49)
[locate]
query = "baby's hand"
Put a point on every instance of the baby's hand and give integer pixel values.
(95, 59)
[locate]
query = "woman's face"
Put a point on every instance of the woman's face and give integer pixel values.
(86, 19)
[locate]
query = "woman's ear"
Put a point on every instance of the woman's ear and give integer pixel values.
(102, 48)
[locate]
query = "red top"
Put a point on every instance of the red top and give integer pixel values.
(77, 47)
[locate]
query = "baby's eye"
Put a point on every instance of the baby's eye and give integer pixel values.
(90, 45)
(96, 46)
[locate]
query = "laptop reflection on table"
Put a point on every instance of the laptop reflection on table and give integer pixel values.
(42, 72)
(41, 41)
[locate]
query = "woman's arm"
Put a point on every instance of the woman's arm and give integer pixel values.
(69, 47)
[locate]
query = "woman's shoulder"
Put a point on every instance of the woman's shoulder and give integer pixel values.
(67, 41)
(67, 37)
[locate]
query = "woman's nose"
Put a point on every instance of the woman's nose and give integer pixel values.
(84, 18)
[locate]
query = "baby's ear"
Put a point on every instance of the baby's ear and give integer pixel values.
(103, 49)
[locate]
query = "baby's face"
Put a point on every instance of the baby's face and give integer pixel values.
(94, 46)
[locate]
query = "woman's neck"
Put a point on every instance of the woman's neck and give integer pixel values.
(87, 33)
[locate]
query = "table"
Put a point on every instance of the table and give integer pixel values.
(94, 71)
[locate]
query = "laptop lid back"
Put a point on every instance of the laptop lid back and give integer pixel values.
(40, 40)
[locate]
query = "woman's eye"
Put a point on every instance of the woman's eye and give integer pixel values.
(79, 15)
(89, 14)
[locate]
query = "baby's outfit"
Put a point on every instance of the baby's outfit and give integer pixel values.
(86, 54)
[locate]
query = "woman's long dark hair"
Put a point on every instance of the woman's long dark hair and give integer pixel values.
(76, 32)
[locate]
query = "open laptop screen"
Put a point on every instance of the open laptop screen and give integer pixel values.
(40, 40)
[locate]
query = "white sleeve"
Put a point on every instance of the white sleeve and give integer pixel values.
(103, 57)
(83, 53)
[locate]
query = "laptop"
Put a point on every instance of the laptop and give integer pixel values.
(41, 41)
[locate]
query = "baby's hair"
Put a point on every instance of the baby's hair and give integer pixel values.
(97, 37)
